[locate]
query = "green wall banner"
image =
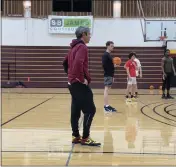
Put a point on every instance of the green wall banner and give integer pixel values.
(68, 24)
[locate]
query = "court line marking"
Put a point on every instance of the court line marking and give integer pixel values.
(148, 105)
(155, 111)
(89, 152)
(128, 153)
(73, 145)
(168, 111)
(25, 111)
(155, 94)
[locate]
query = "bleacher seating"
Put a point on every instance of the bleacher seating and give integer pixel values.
(41, 66)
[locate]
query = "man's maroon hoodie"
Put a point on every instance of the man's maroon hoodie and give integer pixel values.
(76, 62)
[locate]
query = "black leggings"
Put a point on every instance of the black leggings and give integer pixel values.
(82, 99)
(167, 82)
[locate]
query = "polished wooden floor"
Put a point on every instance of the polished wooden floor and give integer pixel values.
(36, 129)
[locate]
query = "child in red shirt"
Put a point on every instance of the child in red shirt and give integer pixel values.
(131, 66)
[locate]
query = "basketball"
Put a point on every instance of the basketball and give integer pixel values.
(117, 60)
(151, 87)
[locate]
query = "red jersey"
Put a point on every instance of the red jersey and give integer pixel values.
(132, 67)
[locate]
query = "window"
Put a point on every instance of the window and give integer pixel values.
(61, 5)
(72, 5)
(2, 5)
(82, 5)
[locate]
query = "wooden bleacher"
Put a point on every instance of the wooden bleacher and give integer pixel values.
(43, 65)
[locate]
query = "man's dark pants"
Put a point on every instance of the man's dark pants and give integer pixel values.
(82, 99)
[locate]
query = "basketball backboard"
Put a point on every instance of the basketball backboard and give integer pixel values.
(154, 29)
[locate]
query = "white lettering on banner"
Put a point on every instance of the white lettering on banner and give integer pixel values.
(63, 29)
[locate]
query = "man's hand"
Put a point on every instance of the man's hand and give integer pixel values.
(115, 65)
(85, 82)
(140, 75)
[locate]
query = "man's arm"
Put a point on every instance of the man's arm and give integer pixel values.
(140, 70)
(65, 64)
(85, 67)
(162, 67)
(124, 66)
(173, 67)
(104, 62)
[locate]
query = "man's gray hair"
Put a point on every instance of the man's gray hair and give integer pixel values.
(80, 30)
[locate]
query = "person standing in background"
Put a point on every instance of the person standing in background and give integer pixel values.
(130, 67)
(168, 70)
(109, 68)
(138, 72)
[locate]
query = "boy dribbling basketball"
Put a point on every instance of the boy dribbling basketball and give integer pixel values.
(131, 66)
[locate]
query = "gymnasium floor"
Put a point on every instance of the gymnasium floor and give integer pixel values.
(36, 129)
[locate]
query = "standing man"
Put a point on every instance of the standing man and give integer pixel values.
(168, 70)
(108, 68)
(76, 66)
